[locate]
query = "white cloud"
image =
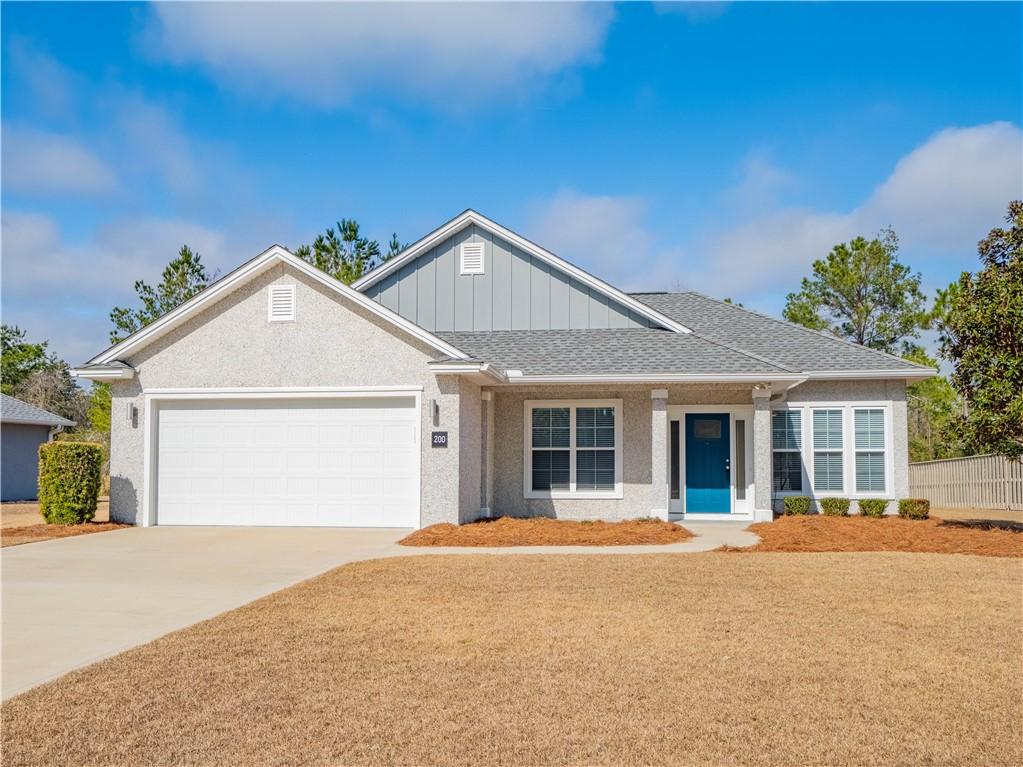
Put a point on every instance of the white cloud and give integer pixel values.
(941, 199)
(64, 291)
(53, 88)
(605, 235)
(330, 54)
(695, 12)
(36, 162)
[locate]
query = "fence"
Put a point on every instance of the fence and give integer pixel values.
(979, 481)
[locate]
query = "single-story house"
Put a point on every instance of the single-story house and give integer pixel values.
(23, 428)
(476, 373)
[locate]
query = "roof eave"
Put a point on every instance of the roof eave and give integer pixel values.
(517, 377)
(909, 374)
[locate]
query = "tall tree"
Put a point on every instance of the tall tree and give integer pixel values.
(343, 253)
(394, 247)
(19, 359)
(183, 278)
(863, 293)
(933, 407)
(982, 335)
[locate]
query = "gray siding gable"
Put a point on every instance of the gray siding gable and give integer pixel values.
(517, 291)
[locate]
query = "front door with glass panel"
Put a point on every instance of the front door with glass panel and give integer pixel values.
(708, 463)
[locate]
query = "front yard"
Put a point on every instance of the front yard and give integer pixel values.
(22, 523)
(698, 659)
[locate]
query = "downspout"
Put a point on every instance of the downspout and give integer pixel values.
(54, 431)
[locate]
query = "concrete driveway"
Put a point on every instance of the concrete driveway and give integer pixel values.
(71, 602)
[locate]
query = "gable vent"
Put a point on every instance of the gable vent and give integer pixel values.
(472, 258)
(281, 303)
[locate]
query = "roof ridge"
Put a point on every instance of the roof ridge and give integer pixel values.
(797, 326)
(753, 355)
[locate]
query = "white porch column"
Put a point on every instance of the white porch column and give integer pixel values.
(762, 474)
(487, 499)
(659, 453)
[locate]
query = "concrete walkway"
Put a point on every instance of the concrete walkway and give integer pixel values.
(71, 602)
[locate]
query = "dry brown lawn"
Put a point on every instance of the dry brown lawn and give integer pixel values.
(541, 531)
(22, 523)
(856, 533)
(1003, 515)
(698, 659)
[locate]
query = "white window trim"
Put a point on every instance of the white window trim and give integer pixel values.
(848, 450)
(801, 450)
(527, 450)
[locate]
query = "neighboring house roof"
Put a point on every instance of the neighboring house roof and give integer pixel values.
(784, 343)
(471, 217)
(15, 411)
(620, 352)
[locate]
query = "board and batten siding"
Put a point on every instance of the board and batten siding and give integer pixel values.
(516, 292)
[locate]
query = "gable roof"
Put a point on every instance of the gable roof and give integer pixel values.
(649, 353)
(15, 411)
(240, 276)
(470, 217)
(784, 343)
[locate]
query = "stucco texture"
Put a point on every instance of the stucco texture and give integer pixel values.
(333, 342)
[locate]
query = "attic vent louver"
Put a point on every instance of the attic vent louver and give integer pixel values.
(472, 258)
(281, 303)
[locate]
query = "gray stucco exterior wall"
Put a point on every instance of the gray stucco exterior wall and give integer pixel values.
(19, 451)
(515, 292)
(332, 343)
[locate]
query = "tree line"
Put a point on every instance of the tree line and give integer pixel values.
(860, 292)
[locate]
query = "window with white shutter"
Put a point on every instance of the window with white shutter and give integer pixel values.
(281, 303)
(870, 449)
(827, 450)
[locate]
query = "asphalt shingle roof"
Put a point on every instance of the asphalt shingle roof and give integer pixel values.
(782, 342)
(15, 411)
(607, 351)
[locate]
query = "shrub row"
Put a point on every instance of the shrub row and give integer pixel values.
(909, 508)
(69, 481)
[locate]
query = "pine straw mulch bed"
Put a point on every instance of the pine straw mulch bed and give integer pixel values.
(856, 533)
(542, 531)
(14, 536)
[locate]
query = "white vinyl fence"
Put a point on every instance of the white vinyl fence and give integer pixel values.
(979, 481)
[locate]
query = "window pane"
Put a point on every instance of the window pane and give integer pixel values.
(827, 429)
(595, 470)
(595, 427)
(827, 471)
(550, 427)
(786, 428)
(550, 470)
(740, 460)
(788, 473)
(676, 490)
(705, 428)
(869, 429)
(870, 472)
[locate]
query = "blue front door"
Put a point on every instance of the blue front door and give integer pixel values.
(708, 464)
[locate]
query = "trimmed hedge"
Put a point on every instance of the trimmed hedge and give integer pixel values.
(69, 480)
(873, 507)
(835, 507)
(797, 504)
(914, 508)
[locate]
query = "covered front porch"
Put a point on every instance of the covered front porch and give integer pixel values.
(695, 451)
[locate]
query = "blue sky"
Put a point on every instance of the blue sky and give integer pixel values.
(720, 147)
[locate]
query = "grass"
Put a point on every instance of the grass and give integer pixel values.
(699, 659)
(22, 523)
(856, 533)
(541, 531)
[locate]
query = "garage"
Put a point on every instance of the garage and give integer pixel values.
(349, 461)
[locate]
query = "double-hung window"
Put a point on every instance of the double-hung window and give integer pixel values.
(827, 450)
(786, 444)
(869, 429)
(573, 449)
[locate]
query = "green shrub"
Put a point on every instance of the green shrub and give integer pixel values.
(69, 480)
(797, 504)
(873, 507)
(914, 508)
(835, 507)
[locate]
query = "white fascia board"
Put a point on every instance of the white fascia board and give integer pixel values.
(104, 374)
(654, 378)
(462, 368)
(30, 422)
(243, 274)
(918, 374)
(472, 217)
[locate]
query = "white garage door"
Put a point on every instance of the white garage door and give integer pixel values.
(333, 462)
